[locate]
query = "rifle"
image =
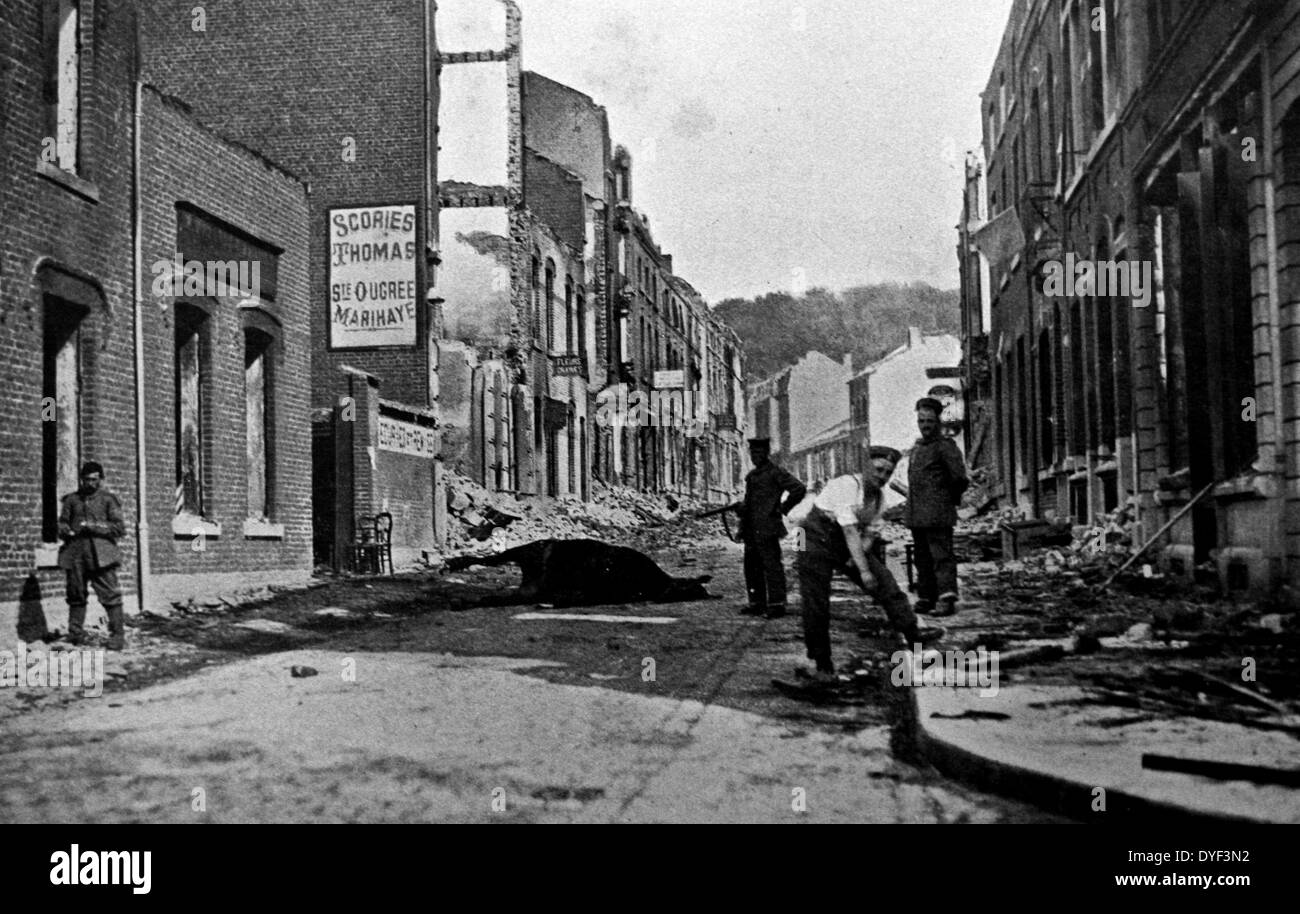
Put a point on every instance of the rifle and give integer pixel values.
(723, 511)
(714, 512)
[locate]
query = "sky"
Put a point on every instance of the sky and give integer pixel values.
(785, 144)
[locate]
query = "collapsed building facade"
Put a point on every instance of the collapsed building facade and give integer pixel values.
(1130, 279)
(559, 312)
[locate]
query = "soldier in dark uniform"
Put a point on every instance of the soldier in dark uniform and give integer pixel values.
(90, 525)
(936, 479)
(762, 527)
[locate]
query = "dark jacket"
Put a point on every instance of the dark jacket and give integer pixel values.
(761, 513)
(95, 546)
(936, 477)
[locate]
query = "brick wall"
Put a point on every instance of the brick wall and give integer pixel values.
(296, 81)
(566, 126)
(63, 230)
(554, 194)
(186, 164)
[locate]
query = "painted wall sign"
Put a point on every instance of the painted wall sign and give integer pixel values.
(672, 379)
(372, 277)
(569, 366)
(407, 438)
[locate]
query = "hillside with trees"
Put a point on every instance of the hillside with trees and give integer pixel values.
(778, 328)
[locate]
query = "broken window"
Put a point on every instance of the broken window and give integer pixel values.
(1096, 82)
(548, 299)
(570, 319)
(1078, 430)
(61, 410)
(190, 371)
(1114, 62)
(1069, 140)
(63, 79)
(535, 287)
(257, 412)
(581, 306)
(1053, 141)
(1046, 414)
(1105, 308)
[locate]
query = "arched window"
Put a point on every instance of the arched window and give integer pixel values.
(1051, 118)
(535, 285)
(66, 302)
(570, 319)
(259, 411)
(581, 308)
(547, 337)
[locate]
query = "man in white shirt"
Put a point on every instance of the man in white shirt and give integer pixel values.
(838, 535)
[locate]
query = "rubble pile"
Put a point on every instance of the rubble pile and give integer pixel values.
(1109, 538)
(1150, 644)
(496, 521)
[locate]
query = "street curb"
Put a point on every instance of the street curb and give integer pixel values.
(1055, 793)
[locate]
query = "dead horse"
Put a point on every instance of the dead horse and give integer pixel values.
(589, 573)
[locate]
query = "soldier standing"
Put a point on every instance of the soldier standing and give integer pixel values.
(762, 528)
(936, 479)
(90, 525)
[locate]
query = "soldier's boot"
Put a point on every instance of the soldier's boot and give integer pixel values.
(947, 605)
(774, 611)
(923, 635)
(77, 624)
(116, 628)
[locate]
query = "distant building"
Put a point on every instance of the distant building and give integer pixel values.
(883, 395)
(799, 405)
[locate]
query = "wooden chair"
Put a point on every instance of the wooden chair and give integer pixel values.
(372, 544)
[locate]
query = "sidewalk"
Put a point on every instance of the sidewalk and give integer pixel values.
(1120, 677)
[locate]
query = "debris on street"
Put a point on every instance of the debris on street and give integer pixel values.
(493, 522)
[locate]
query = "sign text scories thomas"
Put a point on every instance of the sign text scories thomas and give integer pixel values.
(407, 438)
(372, 277)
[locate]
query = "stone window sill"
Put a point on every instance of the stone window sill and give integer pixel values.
(1172, 498)
(184, 525)
(47, 555)
(66, 179)
(255, 529)
(1251, 485)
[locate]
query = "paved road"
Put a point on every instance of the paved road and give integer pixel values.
(423, 710)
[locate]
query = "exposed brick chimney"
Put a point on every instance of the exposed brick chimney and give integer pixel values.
(913, 337)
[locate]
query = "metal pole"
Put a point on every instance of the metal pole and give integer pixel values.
(1159, 533)
(143, 584)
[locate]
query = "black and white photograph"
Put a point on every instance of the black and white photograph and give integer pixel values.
(651, 412)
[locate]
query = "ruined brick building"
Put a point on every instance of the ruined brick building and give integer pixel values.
(554, 297)
(1160, 137)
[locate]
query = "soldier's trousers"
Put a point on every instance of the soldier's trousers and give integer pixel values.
(936, 563)
(764, 573)
(815, 574)
(104, 580)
